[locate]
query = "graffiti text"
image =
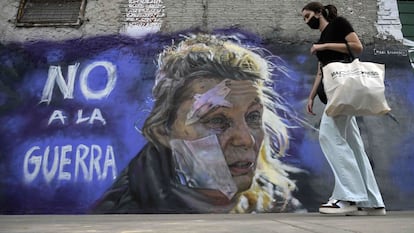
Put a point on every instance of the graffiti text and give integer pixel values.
(60, 117)
(68, 163)
(55, 76)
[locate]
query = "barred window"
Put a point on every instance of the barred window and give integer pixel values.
(50, 13)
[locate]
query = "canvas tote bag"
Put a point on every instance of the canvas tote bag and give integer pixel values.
(355, 88)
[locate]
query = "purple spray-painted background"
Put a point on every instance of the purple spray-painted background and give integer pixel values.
(59, 154)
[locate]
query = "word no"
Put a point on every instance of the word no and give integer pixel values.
(55, 76)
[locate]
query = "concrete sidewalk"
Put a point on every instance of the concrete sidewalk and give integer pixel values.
(393, 222)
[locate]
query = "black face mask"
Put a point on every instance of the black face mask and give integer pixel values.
(314, 23)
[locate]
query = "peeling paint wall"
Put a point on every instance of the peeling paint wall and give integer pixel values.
(279, 20)
(389, 25)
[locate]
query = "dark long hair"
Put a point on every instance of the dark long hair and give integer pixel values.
(329, 11)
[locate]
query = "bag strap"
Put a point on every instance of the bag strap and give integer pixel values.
(351, 54)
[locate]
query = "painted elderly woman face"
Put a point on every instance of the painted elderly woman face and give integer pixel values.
(230, 110)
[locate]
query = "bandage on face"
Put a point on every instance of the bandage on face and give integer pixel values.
(200, 164)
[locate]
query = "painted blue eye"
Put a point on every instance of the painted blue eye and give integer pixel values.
(218, 123)
(254, 118)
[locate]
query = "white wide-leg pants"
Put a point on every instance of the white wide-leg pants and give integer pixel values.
(343, 147)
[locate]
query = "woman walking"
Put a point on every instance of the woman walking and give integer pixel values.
(356, 191)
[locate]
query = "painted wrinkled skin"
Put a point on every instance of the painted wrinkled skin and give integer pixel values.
(238, 128)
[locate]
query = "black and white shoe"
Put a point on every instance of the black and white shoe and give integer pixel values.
(365, 211)
(338, 207)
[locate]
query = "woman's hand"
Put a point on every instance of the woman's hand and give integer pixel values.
(309, 107)
(315, 48)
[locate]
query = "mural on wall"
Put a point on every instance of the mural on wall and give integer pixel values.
(182, 123)
(214, 136)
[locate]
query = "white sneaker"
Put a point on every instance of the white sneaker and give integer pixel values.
(338, 207)
(364, 211)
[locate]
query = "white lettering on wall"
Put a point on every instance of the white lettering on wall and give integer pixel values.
(68, 162)
(31, 159)
(95, 116)
(55, 77)
(49, 173)
(64, 160)
(110, 84)
(57, 115)
(88, 162)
